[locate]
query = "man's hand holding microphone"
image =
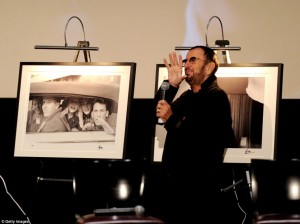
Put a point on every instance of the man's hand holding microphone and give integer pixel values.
(175, 77)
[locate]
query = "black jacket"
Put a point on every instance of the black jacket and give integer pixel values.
(198, 132)
(200, 128)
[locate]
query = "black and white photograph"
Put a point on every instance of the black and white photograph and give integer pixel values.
(71, 110)
(254, 92)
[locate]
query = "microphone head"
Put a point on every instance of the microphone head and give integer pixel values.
(139, 210)
(165, 86)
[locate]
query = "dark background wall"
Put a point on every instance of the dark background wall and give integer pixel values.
(46, 200)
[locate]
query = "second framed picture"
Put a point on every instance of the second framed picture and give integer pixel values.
(254, 92)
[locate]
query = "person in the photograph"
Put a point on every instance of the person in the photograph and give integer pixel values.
(199, 129)
(35, 115)
(87, 120)
(256, 90)
(53, 121)
(100, 114)
(73, 113)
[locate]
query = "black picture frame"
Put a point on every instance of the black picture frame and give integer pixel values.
(239, 79)
(111, 81)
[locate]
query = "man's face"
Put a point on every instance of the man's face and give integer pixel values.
(36, 106)
(73, 106)
(86, 106)
(195, 70)
(99, 112)
(49, 106)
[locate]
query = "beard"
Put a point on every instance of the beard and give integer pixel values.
(195, 78)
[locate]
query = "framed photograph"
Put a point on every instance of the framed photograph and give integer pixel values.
(73, 109)
(254, 92)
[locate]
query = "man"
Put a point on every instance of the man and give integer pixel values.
(53, 121)
(73, 113)
(86, 107)
(35, 115)
(199, 128)
(100, 115)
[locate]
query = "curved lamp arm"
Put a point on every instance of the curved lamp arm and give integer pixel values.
(221, 43)
(66, 47)
(65, 35)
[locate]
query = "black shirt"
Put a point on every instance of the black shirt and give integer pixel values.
(198, 132)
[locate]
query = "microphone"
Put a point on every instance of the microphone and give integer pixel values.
(138, 210)
(249, 182)
(163, 88)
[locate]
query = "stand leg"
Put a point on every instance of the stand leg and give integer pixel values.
(86, 53)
